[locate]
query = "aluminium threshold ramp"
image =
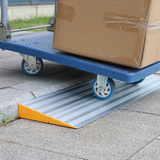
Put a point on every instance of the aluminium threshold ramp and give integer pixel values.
(77, 106)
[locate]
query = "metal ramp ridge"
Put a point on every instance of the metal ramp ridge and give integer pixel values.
(76, 106)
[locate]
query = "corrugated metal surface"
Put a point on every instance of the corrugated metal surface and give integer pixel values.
(78, 106)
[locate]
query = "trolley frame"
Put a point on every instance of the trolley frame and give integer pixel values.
(40, 46)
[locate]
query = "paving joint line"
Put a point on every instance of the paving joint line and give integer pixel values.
(33, 94)
(41, 149)
(5, 88)
(12, 87)
(143, 147)
(154, 114)
(18, 89)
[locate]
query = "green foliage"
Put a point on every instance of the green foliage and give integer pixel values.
(19, 24)
(6, 119)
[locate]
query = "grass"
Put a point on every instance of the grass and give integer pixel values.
(6, 120)
(19, 24)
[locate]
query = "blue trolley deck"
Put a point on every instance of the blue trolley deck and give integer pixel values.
(40, 45)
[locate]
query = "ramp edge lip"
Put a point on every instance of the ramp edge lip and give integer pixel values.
(50, 120)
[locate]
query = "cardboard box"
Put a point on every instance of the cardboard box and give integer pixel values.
(125, 32)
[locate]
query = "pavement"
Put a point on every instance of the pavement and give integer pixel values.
(129, 133)
(17, 87)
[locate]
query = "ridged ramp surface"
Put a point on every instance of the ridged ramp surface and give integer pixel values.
(76, 106)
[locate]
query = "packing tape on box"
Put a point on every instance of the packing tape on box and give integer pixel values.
(65, 12)
(114, 21)
(128, 23)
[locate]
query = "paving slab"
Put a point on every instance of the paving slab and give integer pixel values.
(13, 151)
(11, 63)
(149, 152)
(7, 53)
(9, 78)
(14, 63)
(55, 82)
(149, 104)
(116, 136)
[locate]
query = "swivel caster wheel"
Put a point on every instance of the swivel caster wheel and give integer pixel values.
(137, 82)
(29, 71)
(105, 93)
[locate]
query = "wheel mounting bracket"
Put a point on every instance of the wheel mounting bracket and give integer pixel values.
(31, 61)
(102, 82)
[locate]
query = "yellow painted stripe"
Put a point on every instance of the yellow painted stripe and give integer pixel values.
(28, 113)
